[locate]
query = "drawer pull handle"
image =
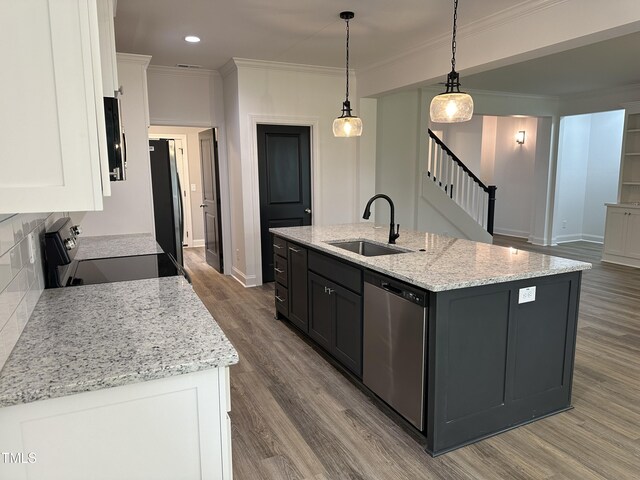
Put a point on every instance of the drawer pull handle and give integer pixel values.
(294, 250)
(278, 270)
(275, 245)
(281, 300)
(328, 290)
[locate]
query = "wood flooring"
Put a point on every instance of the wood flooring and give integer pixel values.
(294, 416)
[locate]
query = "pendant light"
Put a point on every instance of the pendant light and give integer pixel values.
(347, 124)
(452, 106)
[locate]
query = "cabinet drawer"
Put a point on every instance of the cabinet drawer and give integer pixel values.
(282, 300)
(280, 270)
(280, 246)
(335, 270)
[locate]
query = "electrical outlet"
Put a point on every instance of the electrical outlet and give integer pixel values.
(527, 294)
(193, 187)
(564, 224)
(237, 255)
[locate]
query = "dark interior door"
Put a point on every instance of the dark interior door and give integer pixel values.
(284, 163)
(211, 198)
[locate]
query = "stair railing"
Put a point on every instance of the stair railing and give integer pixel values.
(461, 184)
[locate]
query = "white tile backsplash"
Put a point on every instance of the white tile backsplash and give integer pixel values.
(21, 282)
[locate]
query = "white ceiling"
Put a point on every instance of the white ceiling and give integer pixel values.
(293, 31)
(311, 32)
(607, 64)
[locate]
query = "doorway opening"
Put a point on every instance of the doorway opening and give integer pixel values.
(196, 188)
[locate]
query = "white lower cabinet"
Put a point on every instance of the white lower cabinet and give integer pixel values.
(175, 428)
(622, 235)
(52, 115)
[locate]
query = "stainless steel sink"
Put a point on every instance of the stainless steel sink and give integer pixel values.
(367, 249)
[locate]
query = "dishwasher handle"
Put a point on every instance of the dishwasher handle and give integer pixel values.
(390, 288)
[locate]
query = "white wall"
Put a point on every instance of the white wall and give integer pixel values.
(192, 152)
(129, 209)
(513, 174)
(269, 92)
(588, 169)
(605, 146)
(466, 142)
(397, 156)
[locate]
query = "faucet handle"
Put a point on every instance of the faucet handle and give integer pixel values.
(397, 230)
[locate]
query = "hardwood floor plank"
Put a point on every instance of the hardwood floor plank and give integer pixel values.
(294, 416)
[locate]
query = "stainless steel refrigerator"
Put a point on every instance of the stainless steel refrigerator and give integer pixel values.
(167, 197)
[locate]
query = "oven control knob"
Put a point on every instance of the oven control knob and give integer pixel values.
(69, 244)
(76, 230)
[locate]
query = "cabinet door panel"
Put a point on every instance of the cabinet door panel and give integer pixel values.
(55, 83)
(615, 231)
(320, 310)
(347, 336)
(632, 244)
(298, 303)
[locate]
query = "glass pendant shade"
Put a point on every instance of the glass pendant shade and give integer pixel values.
(347, 127)
(451, 108)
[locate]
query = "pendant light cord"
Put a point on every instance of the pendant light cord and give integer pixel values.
(347, 68)
(453, 40)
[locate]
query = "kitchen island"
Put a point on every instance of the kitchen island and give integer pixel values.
(498, 330)
(118, 380)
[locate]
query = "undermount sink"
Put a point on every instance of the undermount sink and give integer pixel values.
(366, 249)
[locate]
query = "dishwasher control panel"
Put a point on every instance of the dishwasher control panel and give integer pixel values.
(396, 287)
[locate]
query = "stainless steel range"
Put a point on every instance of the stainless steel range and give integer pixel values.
(61, 242)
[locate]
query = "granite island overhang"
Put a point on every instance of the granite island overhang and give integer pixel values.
(499, 329)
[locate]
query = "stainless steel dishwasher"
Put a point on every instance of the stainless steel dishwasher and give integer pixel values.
(394, 344)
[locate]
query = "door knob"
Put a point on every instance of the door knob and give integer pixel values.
(307, 210)
(203, 206)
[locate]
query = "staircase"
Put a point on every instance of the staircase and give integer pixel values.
(448, 173)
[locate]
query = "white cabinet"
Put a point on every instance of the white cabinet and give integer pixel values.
(622, 235)
(166, 429)
(106, 13)
(52, 114)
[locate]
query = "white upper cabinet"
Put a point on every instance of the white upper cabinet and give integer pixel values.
(52, 115)
(106, 13)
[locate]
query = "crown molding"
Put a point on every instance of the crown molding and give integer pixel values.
(182, 72)
(228, 68)
(287, 67)
(471, 29)
(134, 58)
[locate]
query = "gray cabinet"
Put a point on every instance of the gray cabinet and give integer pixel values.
(298, 304)
(335, 321)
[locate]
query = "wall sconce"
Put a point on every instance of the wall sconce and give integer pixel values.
(520, 137)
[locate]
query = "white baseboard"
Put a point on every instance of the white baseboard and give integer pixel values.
(244, 280)
(593, 238)
(538, 241)
(197, 243)
(511, 233)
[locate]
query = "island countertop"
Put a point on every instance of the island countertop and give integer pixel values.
(107, 246)
(86, 338)
(446, 263)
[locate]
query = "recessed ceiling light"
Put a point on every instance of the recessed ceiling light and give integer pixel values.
(192, 39)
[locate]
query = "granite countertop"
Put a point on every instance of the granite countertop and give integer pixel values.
(446, 264)
(80, 339)
(116, 246)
